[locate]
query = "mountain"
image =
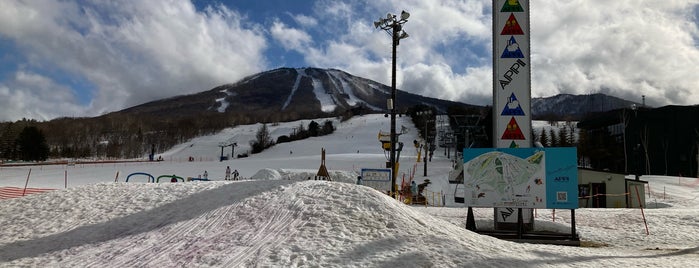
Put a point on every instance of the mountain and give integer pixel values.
(280, 95)
(288, 94)
(575, 107)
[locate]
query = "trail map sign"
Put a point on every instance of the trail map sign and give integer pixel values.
(521, 177)
(511, 74)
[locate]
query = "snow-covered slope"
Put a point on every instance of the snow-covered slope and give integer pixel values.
(278, 220)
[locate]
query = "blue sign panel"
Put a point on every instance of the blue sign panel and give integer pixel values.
(562, 178)
(521, 177)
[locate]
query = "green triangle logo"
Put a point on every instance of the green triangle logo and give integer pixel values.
(512, 6)
(514, 145)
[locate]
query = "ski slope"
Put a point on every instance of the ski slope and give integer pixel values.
(277, 218)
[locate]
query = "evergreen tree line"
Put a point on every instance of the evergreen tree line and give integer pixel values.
(263, 139)
(558, 135)
(27, 144)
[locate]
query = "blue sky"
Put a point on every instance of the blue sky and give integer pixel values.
(86, 58)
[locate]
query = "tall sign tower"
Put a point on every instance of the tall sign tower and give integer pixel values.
(511, 74)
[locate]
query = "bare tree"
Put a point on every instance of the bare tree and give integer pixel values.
(697, 146)
(625, 122)
(644, 142)
(666, 146)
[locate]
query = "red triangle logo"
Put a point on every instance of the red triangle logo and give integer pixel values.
(513, 132)
(512, 27)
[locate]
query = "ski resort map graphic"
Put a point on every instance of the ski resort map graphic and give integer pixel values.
(521, 177)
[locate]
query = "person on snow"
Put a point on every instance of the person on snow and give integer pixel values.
(413, 189)
(228, 173)
(206, 175)
(235, 175)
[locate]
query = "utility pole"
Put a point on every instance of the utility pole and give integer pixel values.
(394, 27)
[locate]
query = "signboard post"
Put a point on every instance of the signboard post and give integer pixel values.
(521, 178)
(511, 81)
(511, 74)
(377, 178)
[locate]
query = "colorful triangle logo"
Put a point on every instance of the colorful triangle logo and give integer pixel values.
(512, 26)
(511, 6)
(512, 50)
(513, 132)
(513, 144)
(512, 107)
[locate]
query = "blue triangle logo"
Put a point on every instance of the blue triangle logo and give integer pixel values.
(512, 50)
(512, 107)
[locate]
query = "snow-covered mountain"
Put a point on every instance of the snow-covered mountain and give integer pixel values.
(288, 94)
(575, 107)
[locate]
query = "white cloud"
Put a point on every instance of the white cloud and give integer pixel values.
(424, 67)
(32, 96)
(290, 38)
(628, 50)
(133, 52)
(305, 21)
(622, 48)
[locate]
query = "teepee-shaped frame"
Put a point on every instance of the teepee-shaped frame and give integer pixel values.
(322, 171)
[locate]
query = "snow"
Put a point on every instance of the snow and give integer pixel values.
(275, 217)
(301, 72)
(224, 103)
(352, 99)
(327, 103)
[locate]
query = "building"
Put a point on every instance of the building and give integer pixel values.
(599, 189)
(641, 141)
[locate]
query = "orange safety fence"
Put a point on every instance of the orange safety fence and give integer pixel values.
(14, 192)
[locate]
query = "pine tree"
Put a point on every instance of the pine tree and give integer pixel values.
(544, 139)
(553, 138)
(32, 144)
(563, 139)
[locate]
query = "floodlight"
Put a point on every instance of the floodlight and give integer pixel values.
(377, 24)
(404, 15)
(389, 16)
(403, 35)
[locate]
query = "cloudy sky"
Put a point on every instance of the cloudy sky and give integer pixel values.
(86, 58)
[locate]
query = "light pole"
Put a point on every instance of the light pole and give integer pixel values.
(427, 117)
(394, 27)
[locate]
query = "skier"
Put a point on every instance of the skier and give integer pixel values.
(235, 175)
(206, 175)
(228, 173)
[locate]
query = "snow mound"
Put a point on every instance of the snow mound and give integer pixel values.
(244, 223)
(267, 174)
(303, 174)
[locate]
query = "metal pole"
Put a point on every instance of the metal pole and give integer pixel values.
(394, 169)
(425, 149)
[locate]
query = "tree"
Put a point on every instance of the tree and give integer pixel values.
(313, 129)
(563, 137)
(32, 144)
(328, 127)
(553, 138)
(625, 123)
(544, 139)
(263, 140)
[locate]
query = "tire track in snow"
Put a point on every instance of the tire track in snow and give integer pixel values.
(215, 234)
